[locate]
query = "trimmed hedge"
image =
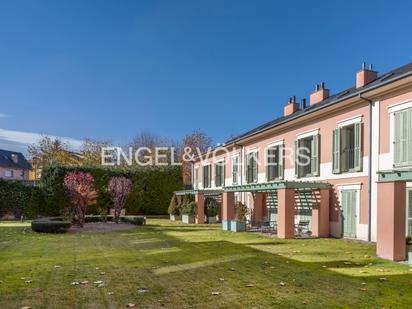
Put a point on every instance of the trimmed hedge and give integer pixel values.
(150, 194)
(50, 225)
(16, 197)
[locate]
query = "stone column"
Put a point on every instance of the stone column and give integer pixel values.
(391, 221)
(320, 214)
(200, 208)
(228, 209)
(286, 213)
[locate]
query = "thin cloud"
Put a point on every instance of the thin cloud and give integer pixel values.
(3, 115)
(23, 139)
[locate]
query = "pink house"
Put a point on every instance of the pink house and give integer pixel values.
(13, 166)
(339, 166)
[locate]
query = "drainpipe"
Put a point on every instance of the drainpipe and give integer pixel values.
(369, 168)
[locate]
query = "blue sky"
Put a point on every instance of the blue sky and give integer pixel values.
(110, 69)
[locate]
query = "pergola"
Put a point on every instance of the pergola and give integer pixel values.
(391, 213)
(285, 204)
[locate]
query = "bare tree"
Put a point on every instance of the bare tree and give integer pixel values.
(91, 151)
(50, 151)
(198, 141)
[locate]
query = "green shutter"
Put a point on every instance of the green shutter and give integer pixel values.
(296, 159)
(267, 164)
(315, 155)
(397, 139)
(280, 161)
(336, 151)
(409, 136)
(255, 167)
(409, 212)
(357, 147)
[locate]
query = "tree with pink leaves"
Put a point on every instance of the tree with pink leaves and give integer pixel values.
(119, 188)
(80, 188)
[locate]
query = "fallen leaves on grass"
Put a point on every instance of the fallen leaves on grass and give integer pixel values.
(142, 290)
(215, 293)
(130, 305)
(75, 283)
(250, 285)
(282, 283)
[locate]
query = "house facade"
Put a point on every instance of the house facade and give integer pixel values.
(13, 166)
(339, 166)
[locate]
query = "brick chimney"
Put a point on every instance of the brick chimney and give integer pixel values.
(291, 107)
(320, 94)
(365, 76)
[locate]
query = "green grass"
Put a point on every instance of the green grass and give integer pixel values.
(181, 265)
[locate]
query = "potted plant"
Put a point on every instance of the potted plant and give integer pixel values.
(212, 208)
(409, 249)
(239, 224)
(188, 212)
(174, 209)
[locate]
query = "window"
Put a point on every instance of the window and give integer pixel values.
(206, 176)
(220, 174)
(347, 154)
(274, 163)
(307, 156)
(8, 173)
(251, 167)
(403, 137)
(235, 169)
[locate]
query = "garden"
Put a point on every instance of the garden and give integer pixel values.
(173, 265)
(91, 238)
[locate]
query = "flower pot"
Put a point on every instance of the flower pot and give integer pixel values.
(237, 226)
(188, 219)
(211, 220)
(175, 218)
(226, 225)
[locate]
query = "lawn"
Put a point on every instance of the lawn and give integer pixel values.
(174, 265)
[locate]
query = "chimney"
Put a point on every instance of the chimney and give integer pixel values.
(365, 76)
(320, 94)
(291, 106)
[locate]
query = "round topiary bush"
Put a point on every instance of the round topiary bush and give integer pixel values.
(50, 225)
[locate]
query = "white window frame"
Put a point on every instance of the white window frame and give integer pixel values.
(224, 172)
(210, 175)
(256, 151)
(274, 144)
(349, 122)
(392, 109)
(308, 134)
(8, 173)
(238, 165)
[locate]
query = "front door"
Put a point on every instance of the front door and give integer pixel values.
(349, 201)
